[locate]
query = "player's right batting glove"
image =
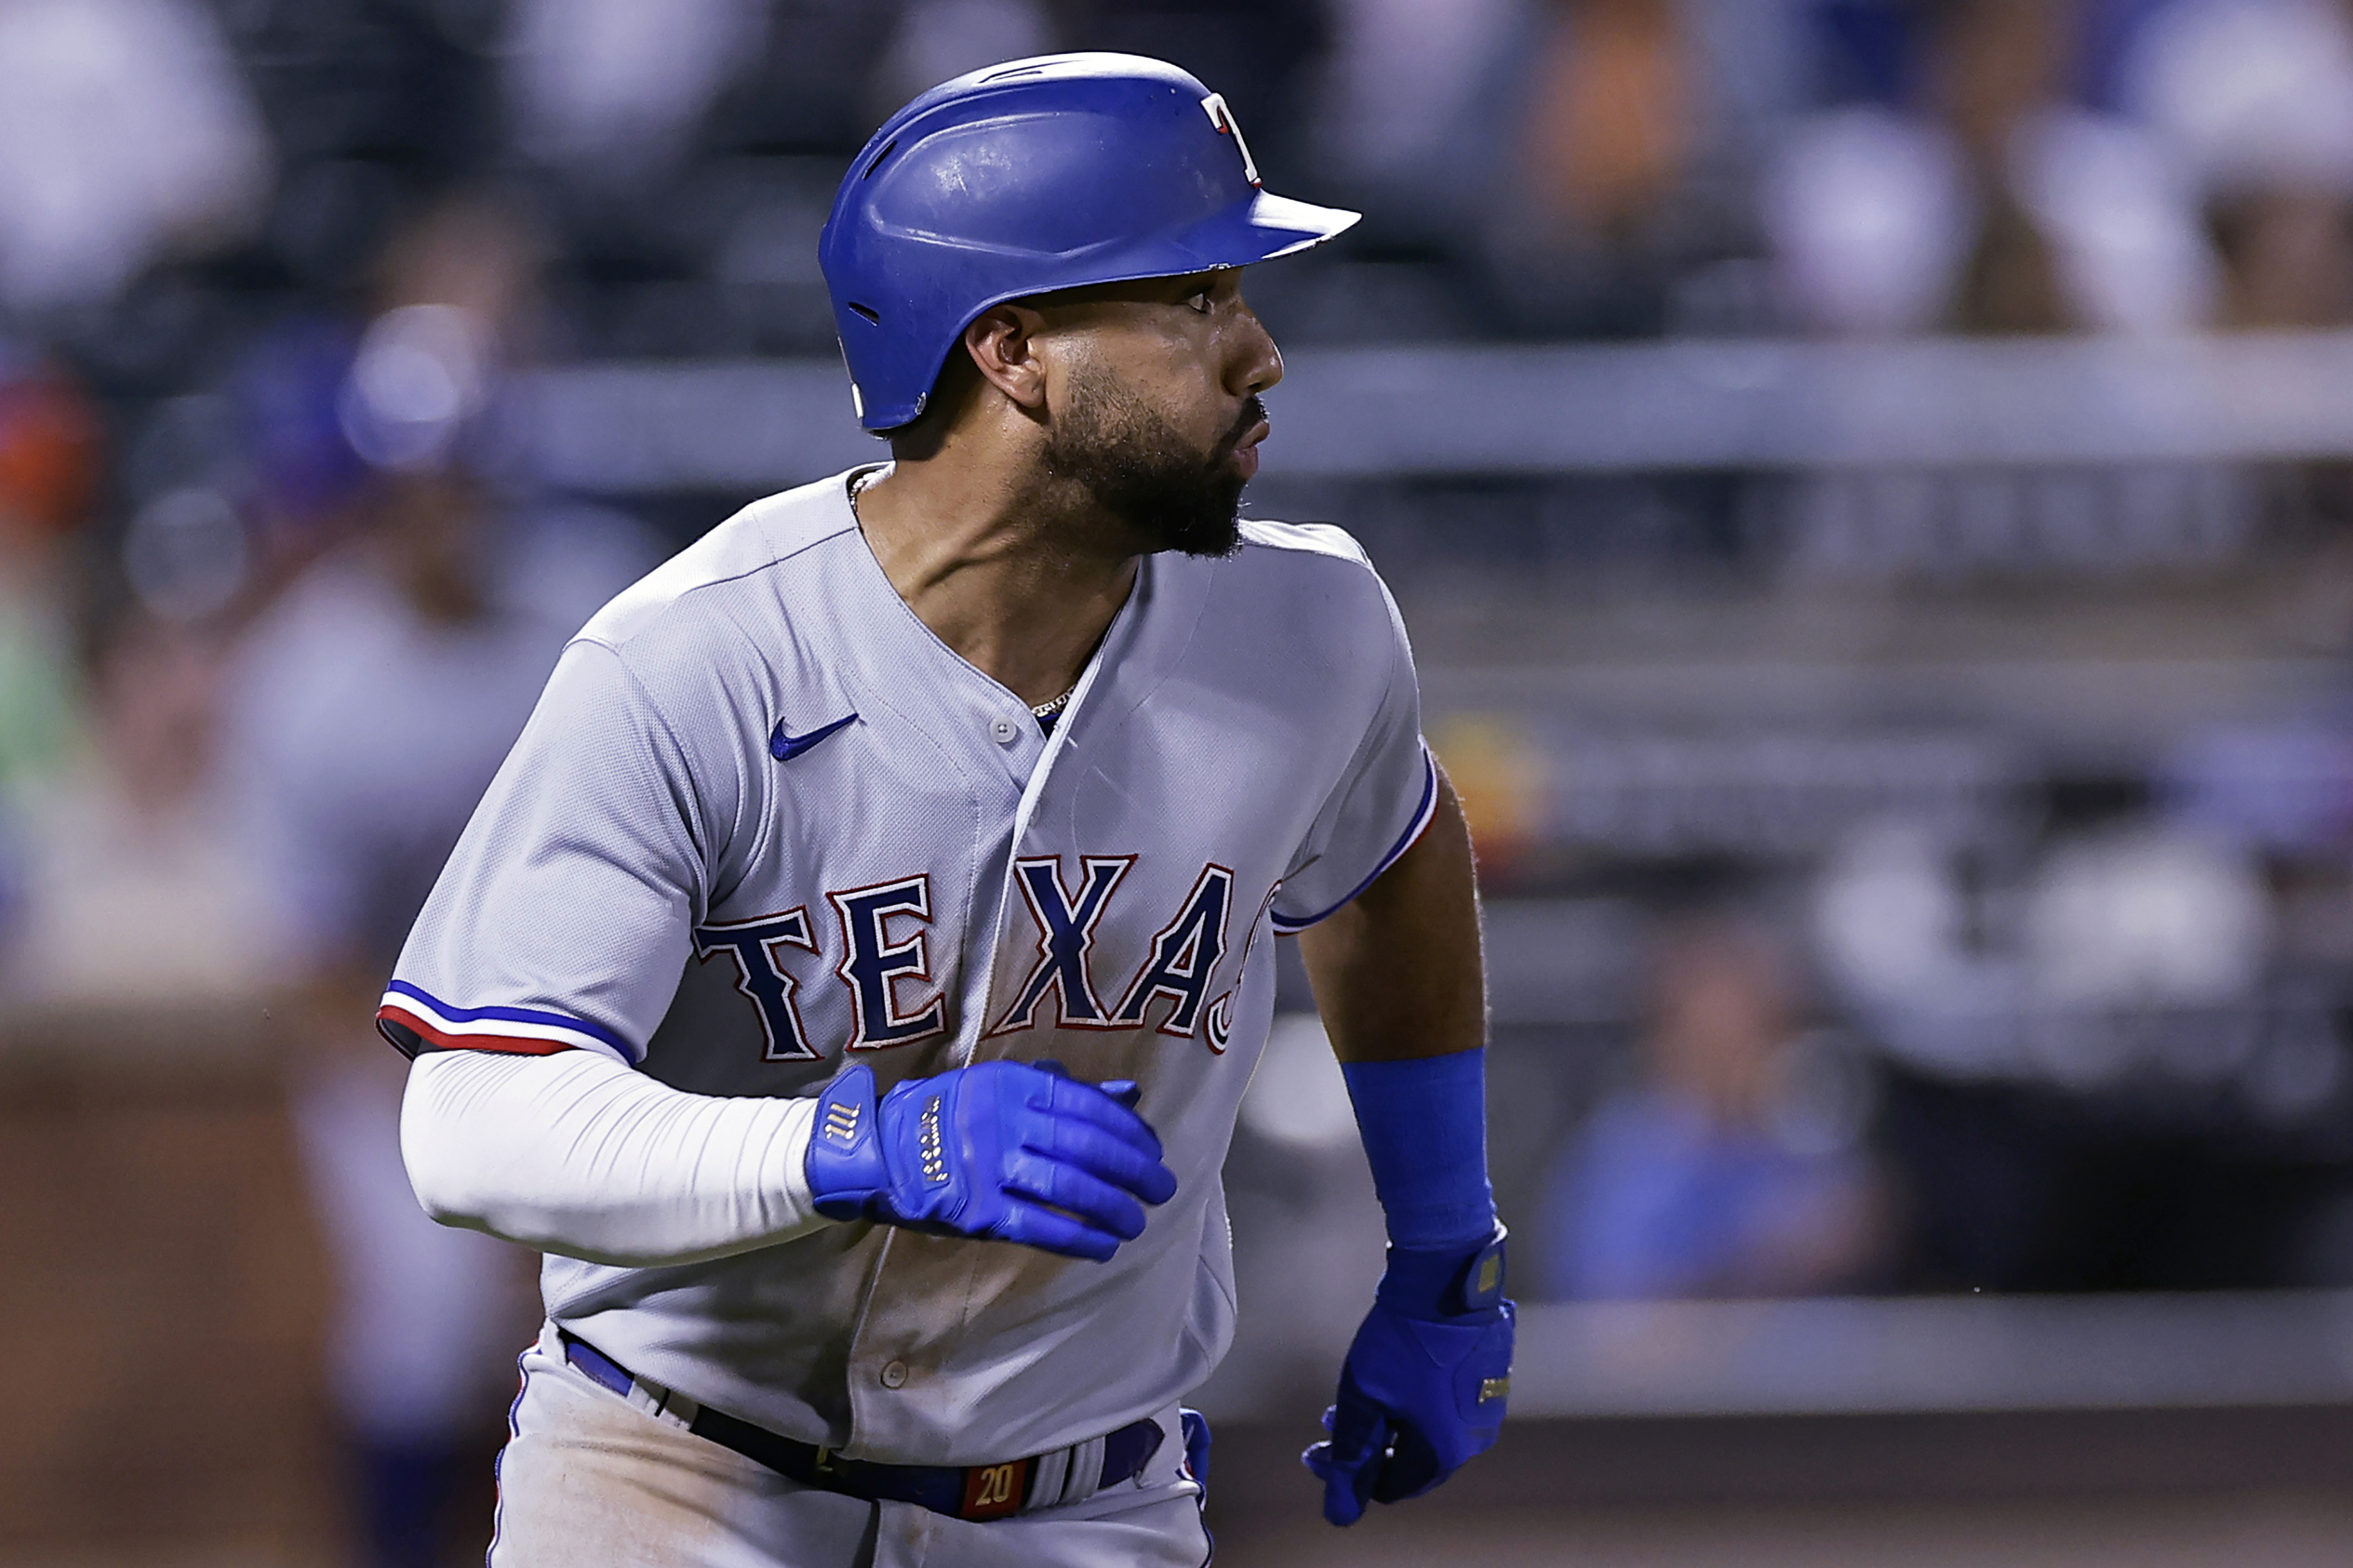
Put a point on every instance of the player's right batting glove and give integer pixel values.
(1003, 1151)
(1424, 1385)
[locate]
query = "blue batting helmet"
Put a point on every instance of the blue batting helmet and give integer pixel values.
(1030, 176)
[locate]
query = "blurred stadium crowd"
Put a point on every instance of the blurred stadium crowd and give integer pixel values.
(1935, 1004)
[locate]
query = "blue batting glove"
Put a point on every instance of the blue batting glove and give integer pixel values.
(1002, 1150)
(1425, 1384)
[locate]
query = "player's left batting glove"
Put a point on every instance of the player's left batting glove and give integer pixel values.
(1001, 1151)
(1424, 1385)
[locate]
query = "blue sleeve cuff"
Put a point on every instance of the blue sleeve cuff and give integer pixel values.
(1424, 1123)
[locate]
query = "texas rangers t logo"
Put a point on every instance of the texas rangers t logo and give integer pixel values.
(1223, 119)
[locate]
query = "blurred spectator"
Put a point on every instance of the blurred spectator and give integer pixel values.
(124, 133)
(1403, 98)
(48, 452)
(2028, 973)
(2144, 916)
(135, 825)
(1973, 194)
(1501, 777)
(1615, 111)
(1866, 211)
(610, 90)
(371, 105)
(377, 697)
(1621, 175)
(2257, 97)
(1732, 1169)
(302, 478)
(48, 481)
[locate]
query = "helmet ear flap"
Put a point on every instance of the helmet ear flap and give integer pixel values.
(1029, 177)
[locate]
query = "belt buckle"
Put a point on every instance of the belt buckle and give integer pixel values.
(994, 1491)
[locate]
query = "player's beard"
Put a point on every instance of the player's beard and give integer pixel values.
(1135, 466)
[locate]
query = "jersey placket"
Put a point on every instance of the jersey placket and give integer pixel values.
(910, 1310)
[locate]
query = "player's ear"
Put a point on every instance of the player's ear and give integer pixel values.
(1003, 343)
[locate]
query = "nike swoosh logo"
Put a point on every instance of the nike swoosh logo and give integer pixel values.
(784, 747)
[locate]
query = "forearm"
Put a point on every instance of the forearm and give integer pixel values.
(576, 1154)
(1399, 981)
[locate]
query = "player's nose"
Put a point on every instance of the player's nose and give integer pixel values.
(1257, 363)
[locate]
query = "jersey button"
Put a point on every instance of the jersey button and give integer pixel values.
(1004, 731)
(895, 1374)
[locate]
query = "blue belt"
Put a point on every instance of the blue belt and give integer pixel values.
(960, 1492)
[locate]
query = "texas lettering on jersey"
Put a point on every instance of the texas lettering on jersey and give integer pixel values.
(881, 939)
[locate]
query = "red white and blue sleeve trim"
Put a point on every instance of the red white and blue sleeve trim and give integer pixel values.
(1287, 925)
(416, 1021)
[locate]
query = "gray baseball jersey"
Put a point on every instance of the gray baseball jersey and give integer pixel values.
(763, 819)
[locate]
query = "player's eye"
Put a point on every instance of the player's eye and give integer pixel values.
(1202, 298)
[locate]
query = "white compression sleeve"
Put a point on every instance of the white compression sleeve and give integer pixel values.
(576, 1154)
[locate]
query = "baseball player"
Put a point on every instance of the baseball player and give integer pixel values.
(851, 979)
